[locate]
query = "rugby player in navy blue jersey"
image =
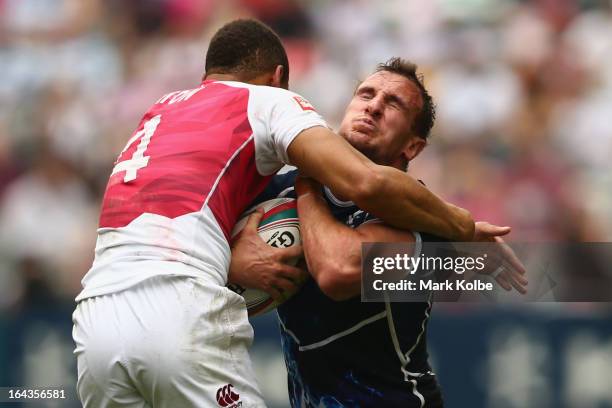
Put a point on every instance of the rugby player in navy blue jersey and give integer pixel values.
(339, 351)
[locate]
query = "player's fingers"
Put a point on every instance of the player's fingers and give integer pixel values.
(276, 294)
(293, 273)
(518, 277)
(499, 231)
(503, 281)
(254, 220)
(295, 251)
(283, 289)
(286, 285)
(509, 256)
(519, 288)
(493, 230)
(517, 281)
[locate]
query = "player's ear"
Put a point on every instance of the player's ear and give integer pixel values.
(414, 146)
(277, 79)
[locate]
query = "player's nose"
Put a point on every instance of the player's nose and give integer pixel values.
(375, 106)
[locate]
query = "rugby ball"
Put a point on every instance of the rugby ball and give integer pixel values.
(280, 228)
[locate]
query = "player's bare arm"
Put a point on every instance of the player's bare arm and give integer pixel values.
(384, 191)
(333, 250)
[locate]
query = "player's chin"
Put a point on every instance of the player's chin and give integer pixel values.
(360, 136)
(362, 140)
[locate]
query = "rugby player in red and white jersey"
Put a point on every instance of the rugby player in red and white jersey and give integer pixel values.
(155, 325)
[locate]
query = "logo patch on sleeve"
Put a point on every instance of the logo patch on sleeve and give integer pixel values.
(304, 104)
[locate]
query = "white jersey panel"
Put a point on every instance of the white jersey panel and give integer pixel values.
(152, 245)
(277, 116)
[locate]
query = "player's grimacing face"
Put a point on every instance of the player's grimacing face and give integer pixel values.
(378, 120)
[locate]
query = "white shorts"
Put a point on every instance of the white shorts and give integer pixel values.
(170, 341)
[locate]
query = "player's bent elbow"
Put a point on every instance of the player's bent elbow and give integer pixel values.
(338, 283)
(367, 185)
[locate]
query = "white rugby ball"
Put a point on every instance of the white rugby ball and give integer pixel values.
(280, 228)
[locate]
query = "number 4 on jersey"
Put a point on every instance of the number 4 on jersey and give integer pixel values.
(138, 160)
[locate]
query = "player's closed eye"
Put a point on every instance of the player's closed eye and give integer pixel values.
(365, 94)
(394, 103)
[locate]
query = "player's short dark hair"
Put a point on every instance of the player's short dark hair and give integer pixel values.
(246, 47)
(424, 120)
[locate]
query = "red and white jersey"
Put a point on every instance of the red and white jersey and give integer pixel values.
(196, 160)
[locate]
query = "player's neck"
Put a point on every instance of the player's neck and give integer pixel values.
(263, 79)
(223, 77)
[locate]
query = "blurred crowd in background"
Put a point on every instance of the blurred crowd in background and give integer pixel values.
(523, 135)
(523, 89)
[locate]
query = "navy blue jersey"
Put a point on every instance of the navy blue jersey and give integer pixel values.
(349, 353)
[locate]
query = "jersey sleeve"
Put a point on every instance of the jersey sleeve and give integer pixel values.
(277, 117)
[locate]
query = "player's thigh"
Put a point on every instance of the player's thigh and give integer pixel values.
(121, 394)
(193, 348)
(103, 381)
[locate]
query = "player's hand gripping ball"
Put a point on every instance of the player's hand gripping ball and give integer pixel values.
(279, 227)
